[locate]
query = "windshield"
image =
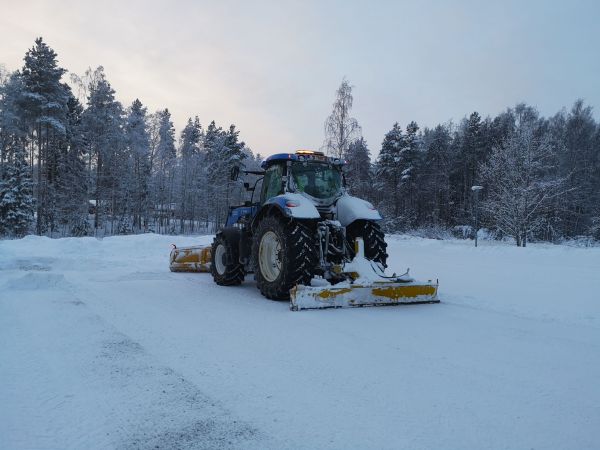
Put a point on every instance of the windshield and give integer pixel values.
(317, 179)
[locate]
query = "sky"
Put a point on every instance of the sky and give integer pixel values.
(272, 67)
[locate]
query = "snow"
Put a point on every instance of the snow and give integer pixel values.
(103, 347)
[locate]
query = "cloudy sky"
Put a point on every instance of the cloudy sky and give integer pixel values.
(272, 68)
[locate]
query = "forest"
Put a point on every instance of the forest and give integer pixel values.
(74, 161)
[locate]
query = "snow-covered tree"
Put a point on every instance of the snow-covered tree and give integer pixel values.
(191, 159)
(71, 180)
(223, 151)
(13, 129)
(519, 179)
(397, 171)
(16, 199)
(165, 158)
(358, 169)
(138, 144)
(410, 164)
(434, 185)
(102, 123)
(389, 175)
(581, 162)
(45, 105)
(341, 129)
(470, 149)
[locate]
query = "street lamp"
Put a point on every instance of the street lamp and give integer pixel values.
(476, 190)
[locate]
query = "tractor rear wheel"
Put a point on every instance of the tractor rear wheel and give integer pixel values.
(225, 267)
(284, 255)
(373, 237)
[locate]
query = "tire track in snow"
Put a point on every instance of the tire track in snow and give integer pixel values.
(87, 385)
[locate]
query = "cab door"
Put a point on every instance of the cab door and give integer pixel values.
(272, 183)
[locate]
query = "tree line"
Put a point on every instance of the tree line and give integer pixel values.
(539, 178)
(71, 167)
(80, 163)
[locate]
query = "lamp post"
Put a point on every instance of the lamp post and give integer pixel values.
(476, 190)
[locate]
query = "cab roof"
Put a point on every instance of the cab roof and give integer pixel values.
(301, 155)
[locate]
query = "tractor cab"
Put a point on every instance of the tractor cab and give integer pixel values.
(306, 172)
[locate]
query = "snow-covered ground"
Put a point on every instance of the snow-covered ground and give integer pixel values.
(102, 347)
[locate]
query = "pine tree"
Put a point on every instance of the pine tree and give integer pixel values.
(410, 164)
(435, 176)
(470, 153)
(389, 175)
(358, 169)
(191, 137)
(102, 124)
(166, 134)
(580, 163)
(71, 182)
(13, 129)
(45, 105)
(223, 151)
(166, 155)
(138, 143)
(16, 200)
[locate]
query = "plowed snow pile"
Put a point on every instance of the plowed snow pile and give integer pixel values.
(102, 347)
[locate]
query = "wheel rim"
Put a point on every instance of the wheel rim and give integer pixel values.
(219, 257)
(268, 256)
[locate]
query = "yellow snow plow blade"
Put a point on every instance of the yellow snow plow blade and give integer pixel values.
(366, 289)
(377, 293)
(190, 259)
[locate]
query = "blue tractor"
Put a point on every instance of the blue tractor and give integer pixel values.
(305, 239)
(302, 224)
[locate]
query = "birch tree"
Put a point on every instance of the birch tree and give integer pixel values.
(341, 129)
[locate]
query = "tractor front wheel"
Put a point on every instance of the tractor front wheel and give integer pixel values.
(284, 255)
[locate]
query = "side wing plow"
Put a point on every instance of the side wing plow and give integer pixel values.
(190, 259)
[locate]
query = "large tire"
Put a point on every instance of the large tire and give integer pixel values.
(225, 267)
(373, 237)
(284, 255)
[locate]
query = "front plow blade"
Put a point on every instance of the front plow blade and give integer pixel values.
(383, 293)
(190, 259)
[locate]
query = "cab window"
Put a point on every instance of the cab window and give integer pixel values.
(322, 181)
(272, 183)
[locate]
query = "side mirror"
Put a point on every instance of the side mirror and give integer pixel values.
(235, 173)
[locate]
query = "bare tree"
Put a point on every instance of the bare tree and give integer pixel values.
(86, 83)
(341, 129)
(4, 74)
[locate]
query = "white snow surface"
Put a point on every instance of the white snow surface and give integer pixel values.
(102, 347)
